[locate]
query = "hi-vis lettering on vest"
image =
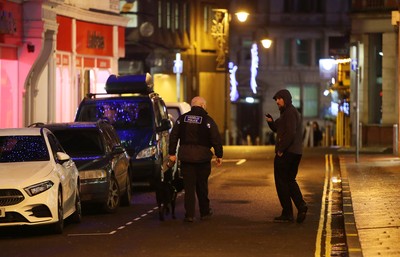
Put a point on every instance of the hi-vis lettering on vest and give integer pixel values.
(193, 119)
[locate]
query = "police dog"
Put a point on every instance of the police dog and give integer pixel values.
(167, 191)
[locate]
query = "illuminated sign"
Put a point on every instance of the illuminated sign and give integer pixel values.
(95, 40)
(254, 68)
(234, 95)
(7, 23)
(178, 64)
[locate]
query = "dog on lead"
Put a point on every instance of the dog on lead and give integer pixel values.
(167, 191)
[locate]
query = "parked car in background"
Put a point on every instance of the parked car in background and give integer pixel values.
(39, 182)
(140, 117)
(176, 109)
(102, 161)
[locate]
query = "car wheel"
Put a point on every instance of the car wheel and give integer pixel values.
(126, 199)
(112, 202)
(77, 215)
(59, 225)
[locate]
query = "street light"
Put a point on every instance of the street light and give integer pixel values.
(266, 42)
(242, 16)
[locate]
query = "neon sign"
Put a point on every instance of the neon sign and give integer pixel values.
(234, 95)
(254, 67)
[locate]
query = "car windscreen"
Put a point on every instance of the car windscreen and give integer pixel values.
(80, 142)
(23, 149)
(121, 113)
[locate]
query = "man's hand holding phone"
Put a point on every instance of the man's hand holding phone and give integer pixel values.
(268, 117)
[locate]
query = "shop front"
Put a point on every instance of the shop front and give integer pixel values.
(84, 61)
(10, 40)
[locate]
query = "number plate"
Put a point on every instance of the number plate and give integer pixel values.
(2, 212)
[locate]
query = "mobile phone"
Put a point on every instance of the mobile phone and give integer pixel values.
(268, 115)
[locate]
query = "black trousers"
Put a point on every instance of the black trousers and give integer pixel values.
(285, 172)
(195, 179)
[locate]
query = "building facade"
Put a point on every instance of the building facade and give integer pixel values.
(303, 32)
(374, 47)
(175, 41)
(53, 52)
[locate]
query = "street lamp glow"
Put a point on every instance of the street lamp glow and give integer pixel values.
(266, 43)
(249, 100)
(242, 16)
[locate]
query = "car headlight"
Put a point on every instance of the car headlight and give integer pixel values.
(38, 188)
(146, 153)
(93, 174)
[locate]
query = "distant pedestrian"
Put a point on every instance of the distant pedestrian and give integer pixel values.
(288, 153)
(197, 133)
(317, 134)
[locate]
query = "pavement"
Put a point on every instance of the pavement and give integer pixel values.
(371, 203)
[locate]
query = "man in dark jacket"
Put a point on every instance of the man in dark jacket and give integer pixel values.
(197, 133)
(288, 153)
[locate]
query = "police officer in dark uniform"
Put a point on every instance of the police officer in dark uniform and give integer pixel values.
(197, 134)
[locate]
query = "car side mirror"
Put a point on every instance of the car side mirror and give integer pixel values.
(118, 149)
(62, 157)
(165, 125)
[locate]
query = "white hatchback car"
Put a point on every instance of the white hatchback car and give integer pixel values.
(176, 109)
(39, 182)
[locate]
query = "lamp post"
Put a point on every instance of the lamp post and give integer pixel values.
(221, 32)
(248, 38)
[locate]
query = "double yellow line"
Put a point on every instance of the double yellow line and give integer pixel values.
(323, 243)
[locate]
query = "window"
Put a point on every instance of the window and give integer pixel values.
(185, 18)
(318, 51)
(287, 54)
(160, 14)
(303, 6)
(130, 9)
(310, 96)
(176, 17)
(168, 15)
(305, 98)
(303, 52)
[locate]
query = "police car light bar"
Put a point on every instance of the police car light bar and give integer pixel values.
(129, 84)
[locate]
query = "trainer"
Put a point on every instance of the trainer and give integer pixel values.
(197, 133)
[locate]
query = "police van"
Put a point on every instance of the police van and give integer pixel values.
(141, 119)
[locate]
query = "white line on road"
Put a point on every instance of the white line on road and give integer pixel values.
(237, 161)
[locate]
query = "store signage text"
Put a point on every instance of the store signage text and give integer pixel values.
(95, 40)
(7, 23)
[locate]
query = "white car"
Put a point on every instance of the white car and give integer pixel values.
(39, 182)
(176, 109)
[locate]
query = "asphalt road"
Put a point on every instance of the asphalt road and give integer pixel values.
(243, 197)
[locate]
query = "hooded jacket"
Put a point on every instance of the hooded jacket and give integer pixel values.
(289, 126)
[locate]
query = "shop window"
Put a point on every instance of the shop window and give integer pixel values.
(305, 98)
(10, 93)
(63, 99)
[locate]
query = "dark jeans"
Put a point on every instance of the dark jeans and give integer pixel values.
(195, 179)
(285, 172)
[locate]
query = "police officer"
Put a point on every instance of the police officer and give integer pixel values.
(197, 133)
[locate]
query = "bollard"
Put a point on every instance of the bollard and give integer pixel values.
(227, 137)
(395, 140)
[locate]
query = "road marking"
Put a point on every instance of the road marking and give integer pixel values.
(94, 234)
(326, 211)
(237, 161)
